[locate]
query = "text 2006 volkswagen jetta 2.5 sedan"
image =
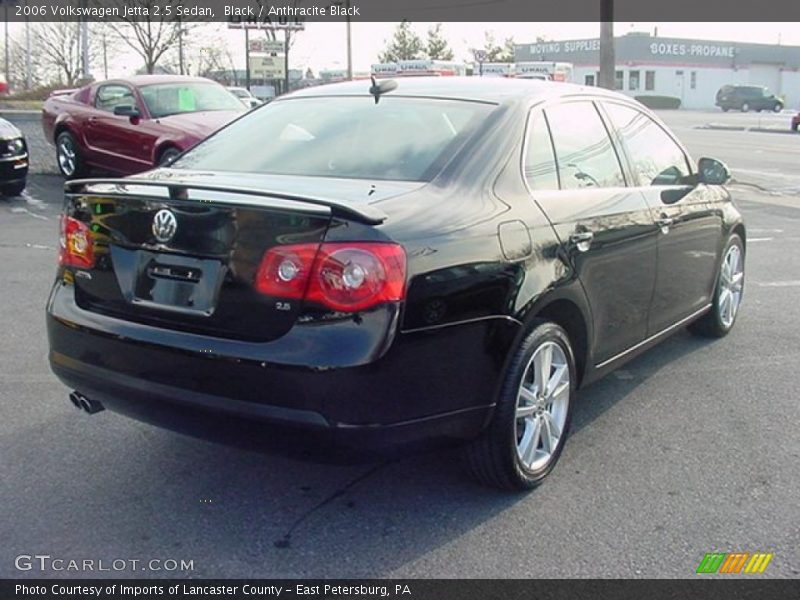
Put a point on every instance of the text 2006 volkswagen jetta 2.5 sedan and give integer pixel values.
(396, 262)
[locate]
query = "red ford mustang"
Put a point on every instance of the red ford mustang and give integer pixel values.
(130, 125)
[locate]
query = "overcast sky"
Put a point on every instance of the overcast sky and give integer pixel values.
(322, 45)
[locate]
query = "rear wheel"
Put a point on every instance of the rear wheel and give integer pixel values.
(168, 156)
(68, 156)
(13, 189)
(745, 107)
(718, 321)
(524, 441)
(725, 109)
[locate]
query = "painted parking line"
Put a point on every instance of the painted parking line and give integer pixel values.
(765, 239)
(795, 283)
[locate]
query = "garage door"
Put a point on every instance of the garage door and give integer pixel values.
(766, 75)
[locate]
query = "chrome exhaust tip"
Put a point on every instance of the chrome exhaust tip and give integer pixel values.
(85, 404)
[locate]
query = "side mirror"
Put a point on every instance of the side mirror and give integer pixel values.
(127, 110)
(712, 171)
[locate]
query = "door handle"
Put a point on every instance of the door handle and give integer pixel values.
(582, 240)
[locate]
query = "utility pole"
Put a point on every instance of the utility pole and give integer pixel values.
(286, 60)
(27, 52)
(247, 58)
(607, 68)
(349, 44)
(105, 54)
(85, 67)
(8, 74)
(180, 46)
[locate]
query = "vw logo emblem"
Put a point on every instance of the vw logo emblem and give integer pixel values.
(164, 225)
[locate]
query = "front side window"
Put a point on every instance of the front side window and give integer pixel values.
(540, 162)
(167, 99)
(398, 138)
(113, 95)
(655, 157)
(584, 153)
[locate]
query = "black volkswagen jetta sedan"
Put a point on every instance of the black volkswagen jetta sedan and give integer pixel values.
(433, 258)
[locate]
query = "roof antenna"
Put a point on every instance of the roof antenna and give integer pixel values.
(383, 87)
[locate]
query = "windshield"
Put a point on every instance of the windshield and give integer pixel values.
(173, 98)
(398, 138)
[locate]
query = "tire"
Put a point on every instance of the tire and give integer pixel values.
(725, 109)
(745, 107)
(167, 156)
(68, 156)
(496, 457)
(718, 321)
(778, 107)
(13, 189)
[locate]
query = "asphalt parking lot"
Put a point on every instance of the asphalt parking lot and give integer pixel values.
(692, 448)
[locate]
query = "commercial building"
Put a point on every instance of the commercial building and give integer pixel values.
(692, 70)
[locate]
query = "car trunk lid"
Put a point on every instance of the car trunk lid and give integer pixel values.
(183, 253)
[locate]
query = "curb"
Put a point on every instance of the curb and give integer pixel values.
(742, 128)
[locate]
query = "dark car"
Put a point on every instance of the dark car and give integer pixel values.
(746, 98)
(451, 259)
(13, 159)
(126, 126)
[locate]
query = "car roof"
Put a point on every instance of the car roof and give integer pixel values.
(478, 89)
(143, 80)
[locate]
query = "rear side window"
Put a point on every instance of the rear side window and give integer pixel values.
(655, 157)
(398, 138)
(113, 95)
(584, 153)
(540, 162)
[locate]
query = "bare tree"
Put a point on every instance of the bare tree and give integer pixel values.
(17, 63)
(105, 45)
(58, 47)
(153, 36)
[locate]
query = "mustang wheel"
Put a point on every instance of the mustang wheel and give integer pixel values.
(525, 438)
(718, 321)
(169, 155)
(69, 159)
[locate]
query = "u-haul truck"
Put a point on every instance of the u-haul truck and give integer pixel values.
(553, 71)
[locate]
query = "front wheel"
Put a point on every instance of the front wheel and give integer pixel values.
(70, 161)
(719, 320)
(523, 442)
(778, 107)
(745, 107)
(13, 189)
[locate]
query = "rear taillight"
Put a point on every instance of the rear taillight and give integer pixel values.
(341, 276)
(76, 248)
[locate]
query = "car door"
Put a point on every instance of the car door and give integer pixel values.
(689, 220)
(116, 141)
(605, 228)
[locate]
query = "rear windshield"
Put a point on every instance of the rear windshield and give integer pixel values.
(406, 139)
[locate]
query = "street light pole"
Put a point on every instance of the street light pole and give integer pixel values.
(247, 58)
(349, 44)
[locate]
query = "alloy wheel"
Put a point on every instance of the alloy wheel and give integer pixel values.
(731, 285)
(542, 406)
(66, 156)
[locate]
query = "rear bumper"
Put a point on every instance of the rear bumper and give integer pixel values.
(427, 384)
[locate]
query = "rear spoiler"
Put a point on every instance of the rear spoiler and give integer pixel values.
(63, 92)
(179, 190)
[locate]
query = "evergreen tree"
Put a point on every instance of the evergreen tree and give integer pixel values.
(438, 48)
(404, 45)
